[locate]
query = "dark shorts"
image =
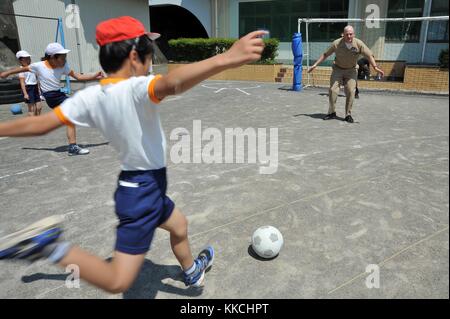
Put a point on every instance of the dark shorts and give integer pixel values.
(33, 94)
(54, 98)
(141, 206)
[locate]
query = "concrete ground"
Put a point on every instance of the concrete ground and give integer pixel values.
(345, 197)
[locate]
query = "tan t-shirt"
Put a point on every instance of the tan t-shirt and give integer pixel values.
(347, 58)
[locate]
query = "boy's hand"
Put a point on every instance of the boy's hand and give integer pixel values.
(99, 75)
(247, 49)
(3, 75)
(26, 97)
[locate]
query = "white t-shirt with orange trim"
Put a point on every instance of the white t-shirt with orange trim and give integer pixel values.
(49, 78)
(127, 114)
(29, 77)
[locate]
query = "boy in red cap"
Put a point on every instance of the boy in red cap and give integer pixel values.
(124, 107)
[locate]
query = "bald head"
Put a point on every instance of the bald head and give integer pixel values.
(349, 34)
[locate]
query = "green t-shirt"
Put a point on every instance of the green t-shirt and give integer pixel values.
(347, 58)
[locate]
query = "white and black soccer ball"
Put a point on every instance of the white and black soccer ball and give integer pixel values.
(267, 241)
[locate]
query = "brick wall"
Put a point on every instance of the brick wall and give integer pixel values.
(250, 72)
(415, 78)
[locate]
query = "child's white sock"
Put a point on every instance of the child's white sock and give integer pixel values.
(191, 269)
(56, 251)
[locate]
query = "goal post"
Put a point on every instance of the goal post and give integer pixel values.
(412, 40)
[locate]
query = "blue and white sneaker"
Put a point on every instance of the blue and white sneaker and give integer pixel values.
(75, 149)
(202, 263)
(29, 242)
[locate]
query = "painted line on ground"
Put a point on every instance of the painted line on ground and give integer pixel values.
(25, 172)
(390, 258)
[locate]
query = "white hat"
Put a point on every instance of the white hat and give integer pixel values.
(22, 54)
(55, 48)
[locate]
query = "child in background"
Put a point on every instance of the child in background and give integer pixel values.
(49, 72)
(124, 108)
(29, 85)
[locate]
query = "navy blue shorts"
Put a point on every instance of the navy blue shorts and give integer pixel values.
(33, 94)
(54, 98)
(141, 206)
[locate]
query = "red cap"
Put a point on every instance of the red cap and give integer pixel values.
(120, 29)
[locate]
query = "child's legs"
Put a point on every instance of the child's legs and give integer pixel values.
(38, 109)
(55, 99)
(176, 225)
(31, 109)
(71, 134)
(115, 276)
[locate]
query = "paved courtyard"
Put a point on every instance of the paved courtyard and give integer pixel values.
(345, 197)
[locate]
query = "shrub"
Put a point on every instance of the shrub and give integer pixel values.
(443, 58)
(192, 50)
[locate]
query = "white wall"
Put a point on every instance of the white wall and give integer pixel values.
(200, 8)
(412, 52)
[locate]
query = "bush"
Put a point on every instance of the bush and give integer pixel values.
(192, 50)
(443, 59)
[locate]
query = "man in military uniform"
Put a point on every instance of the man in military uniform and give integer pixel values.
(347, 50)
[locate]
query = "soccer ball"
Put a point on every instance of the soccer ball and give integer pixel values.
(16, 109)
(267, 241)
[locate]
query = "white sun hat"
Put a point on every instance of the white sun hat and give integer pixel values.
(22, 54)
(55, 48)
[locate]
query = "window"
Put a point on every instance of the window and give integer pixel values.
(280, 17)
(404, 31)
(438, 30)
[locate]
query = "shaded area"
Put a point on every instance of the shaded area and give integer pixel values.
(174, 22)
(253, 254)
(319, 116)
(64, 148)
(150, 281)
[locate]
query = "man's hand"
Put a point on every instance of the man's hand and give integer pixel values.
(311, 68)
(3, 75)
(247, 49)
(380, 71)
(26, 97)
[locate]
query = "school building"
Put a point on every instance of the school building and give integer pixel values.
(234, 18)
(21, 29)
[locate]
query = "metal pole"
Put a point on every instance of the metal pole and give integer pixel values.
(63, 43)
(77, 36)
(307, 52)
(216, 22)
(27, 16)
(425, 36)
(424, 41)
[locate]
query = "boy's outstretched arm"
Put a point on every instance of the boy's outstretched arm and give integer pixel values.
(5, 74)
(86, 77)
(31, 125)
(248, 49)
